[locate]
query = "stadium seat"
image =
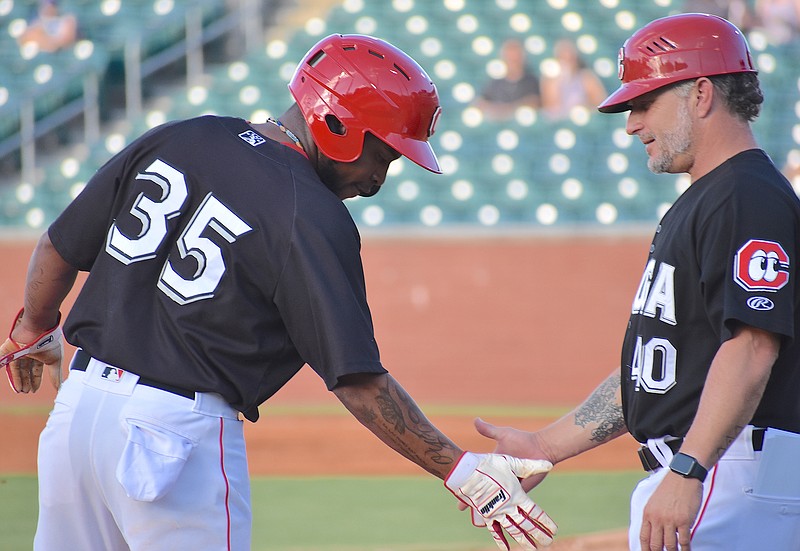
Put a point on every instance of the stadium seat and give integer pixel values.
(527, 171)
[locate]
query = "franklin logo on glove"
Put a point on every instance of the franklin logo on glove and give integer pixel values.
(487, 509)
(50, 338)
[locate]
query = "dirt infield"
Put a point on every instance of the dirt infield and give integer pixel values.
(606, 541)
(462, 323)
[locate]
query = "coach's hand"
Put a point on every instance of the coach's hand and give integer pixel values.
(25, 363)
(519, 443)
(489, 484)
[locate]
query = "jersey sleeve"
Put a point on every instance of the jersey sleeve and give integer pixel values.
(322, 294)
(745, 262)
(79, 232)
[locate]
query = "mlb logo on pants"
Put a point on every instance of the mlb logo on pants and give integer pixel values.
(113, 374)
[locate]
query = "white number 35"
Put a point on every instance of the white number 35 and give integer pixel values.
(153, 215)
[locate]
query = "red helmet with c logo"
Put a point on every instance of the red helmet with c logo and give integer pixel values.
(369, 86)
(675, 48)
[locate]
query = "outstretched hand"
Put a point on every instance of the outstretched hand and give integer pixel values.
(489, 485)
(518, 443)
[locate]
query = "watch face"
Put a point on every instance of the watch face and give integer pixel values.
(687, 466)
(681, 464)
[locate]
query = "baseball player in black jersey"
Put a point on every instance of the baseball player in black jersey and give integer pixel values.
(221, 259)
(710, 375)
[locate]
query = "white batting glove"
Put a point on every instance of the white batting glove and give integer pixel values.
(489, 484)
(25, 363)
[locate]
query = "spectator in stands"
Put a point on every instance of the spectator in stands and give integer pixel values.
(570, 84)
(714, 7)
(738, 12)
(519, 86)
(778, 19)
(50, 30)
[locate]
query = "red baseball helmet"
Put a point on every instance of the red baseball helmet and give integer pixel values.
(675, 48)
(369, 86)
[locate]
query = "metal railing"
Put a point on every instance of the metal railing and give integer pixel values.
(242, 16)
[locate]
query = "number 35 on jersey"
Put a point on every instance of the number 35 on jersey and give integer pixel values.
(154, 214)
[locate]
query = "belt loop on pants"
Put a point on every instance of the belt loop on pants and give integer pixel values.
(651, 464)
(758, 438)
(81, 361)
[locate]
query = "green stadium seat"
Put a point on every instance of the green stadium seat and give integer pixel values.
(527, 172)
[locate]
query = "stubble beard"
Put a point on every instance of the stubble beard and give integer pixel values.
(673, 143)
(328, 173)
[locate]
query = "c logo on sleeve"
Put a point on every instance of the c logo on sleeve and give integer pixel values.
(761, 265)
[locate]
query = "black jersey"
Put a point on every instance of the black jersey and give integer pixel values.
(724, 254)
(219, 262)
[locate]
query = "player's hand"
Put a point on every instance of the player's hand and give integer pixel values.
(670, 514)
(25, 356)
(489, 484)
(514, 442)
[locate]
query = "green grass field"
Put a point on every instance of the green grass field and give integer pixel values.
(371, 514)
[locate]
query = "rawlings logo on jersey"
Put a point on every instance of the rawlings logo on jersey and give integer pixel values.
(761, 265)
(762, 304)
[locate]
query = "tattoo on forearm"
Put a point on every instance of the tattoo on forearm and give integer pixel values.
(391, 411)
(729, 438)
(402, 415)
(602, 408)
(367, 416)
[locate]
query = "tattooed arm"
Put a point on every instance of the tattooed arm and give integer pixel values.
(386, 409)
(601, 413)
(596, 421)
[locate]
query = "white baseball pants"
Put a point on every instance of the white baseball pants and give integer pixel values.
(123, 466)
(751, 500)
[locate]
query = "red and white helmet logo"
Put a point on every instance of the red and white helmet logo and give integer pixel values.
(761, 266)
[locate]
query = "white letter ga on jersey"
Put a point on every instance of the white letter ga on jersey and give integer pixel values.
(656, 294)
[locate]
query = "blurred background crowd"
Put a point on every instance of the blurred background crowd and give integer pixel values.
(520, 141)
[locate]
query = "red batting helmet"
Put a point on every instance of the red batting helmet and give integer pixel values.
(675, 48)
(369, 86)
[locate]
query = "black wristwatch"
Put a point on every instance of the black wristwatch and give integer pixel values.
(688, 467)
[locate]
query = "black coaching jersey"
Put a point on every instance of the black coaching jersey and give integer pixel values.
(725, 253)
(218, 262)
